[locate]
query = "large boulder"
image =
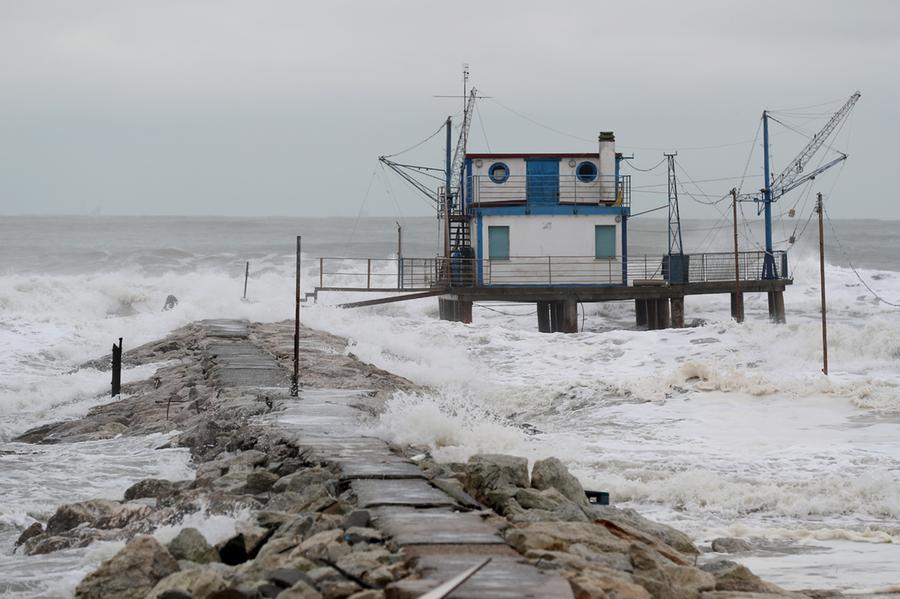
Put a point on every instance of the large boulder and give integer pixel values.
(560, 536)
(129, 574)
(730, 545)
(731, 576)
(627, 517)
(553, 474)
(664, 578)
(198, 582)
(494, 478)
(70, 515)
(191, 545)
(152, 487)
(603, 583)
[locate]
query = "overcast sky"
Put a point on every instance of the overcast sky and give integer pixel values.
(282, 107)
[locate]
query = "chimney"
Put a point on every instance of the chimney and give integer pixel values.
(607, 177)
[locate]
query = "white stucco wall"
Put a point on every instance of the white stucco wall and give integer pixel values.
(551, 250)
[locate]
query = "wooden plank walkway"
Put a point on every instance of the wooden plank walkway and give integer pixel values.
(445, 536)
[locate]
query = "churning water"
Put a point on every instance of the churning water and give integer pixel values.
(718, 429)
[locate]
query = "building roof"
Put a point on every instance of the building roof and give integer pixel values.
(535, 155)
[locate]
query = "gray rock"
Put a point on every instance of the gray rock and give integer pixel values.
(553, 474)
(299, 481)
(32, 531)
(731, 576)
(670, 536)
(260, 481)
(288, 577)
(151, 487)
(129, 574)
(358, 534)
(730, 545)
(493, 478)
(532, 499)
(70, 515)
(356, 518)
(190, 544)
(301, 590)
(193, 582)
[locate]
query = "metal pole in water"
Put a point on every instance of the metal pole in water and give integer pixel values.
(116, 385)
(738, 296)
(820, 210)
(295, 377)
(399, 256)
(246, 276)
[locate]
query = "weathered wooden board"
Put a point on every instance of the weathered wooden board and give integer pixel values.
(437, 526)
(502, 578)
(405, 492)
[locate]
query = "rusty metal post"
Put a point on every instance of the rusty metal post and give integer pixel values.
(399, 256)
(246, 276)
(738, 308)
(368, 273)
(321, 272)
(295, 377)
(822, 284)
(116, 385)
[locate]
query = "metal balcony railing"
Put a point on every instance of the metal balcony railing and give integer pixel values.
(382, 274)
(604, 190)
(421, 274)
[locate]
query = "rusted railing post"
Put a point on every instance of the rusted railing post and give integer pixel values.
(368, 273)
(295, 376)
(246, 276)
(116, 385)
(321, 272)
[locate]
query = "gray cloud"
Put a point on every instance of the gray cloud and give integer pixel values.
(277, 107)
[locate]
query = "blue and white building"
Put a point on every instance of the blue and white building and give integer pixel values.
(548, 218)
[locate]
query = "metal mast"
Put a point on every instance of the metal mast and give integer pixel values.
(675, 245)
(793, 176)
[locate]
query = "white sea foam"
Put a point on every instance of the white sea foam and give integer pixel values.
(717, 426)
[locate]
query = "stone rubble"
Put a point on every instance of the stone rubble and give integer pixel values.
(307, 537)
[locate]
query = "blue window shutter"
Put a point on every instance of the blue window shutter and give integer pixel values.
(605, 241)
(498, 243)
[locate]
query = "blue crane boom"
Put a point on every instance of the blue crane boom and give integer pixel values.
(793, 175)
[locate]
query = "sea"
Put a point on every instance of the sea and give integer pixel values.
(719, 429)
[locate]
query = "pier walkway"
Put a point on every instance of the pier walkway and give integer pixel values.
(658, 285)
(445, 534)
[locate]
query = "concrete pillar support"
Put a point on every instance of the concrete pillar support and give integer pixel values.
(779, 307)
(678, 312)
(737, 306)
(640, 312)
(543, 317)
(650, 307)
(662, 313)
(569, 309)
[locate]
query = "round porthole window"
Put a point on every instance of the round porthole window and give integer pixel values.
(498, 172)
(586, 172)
